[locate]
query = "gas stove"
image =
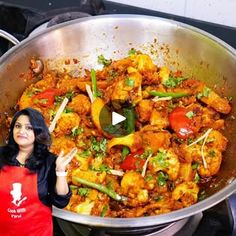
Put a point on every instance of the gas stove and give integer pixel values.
(23, 18)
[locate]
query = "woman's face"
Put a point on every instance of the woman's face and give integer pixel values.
(23, 132)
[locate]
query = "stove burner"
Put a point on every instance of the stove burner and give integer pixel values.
(182, 227)
(66, 17)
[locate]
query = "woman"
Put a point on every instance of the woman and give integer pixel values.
(32, 179)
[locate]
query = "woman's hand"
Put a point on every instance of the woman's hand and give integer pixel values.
(62, 161)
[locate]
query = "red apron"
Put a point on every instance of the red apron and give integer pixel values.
(21, 211)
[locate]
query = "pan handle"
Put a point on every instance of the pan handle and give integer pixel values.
(231, 203)
(9, 37)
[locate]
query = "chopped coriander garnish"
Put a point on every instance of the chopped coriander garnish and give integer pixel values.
(196, 178)
(202, 195)
(162, 178)
(76, 131)
(104, 61)
(104, 211)
(83, 191)
(129, 82)
(212, 153)
(161, 159)
(190, 114)
(125, 152)
(205, 92)
(158, 198)
(195, 166)
(132, 51)
(85, 153)
(148, 177)
(172, 82)
(68, 110)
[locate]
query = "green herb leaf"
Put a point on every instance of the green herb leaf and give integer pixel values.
(190, 114)
(205, 93)
(104, 61)
(129, 82)
(125, 152)
(132, 51)
(83, 191)
(195, 166)
(104, 211)
(76, 131)
(162, 178)
(196, 178)
(212, 153)
(148, 177)
(161, 159)
(173, 81)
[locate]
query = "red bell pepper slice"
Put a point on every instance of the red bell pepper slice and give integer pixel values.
(180, 123)
(46, 98)
(133, 161)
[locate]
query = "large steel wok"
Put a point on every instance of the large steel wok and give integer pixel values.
(172, 43)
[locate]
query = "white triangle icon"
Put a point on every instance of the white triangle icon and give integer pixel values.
(117, 118)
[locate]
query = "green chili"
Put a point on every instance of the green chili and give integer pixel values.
(110, 192)
(168, 94)
(94, 83)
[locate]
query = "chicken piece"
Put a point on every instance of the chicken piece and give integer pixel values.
(26, 99)
(167, 161)
(155, 140)
(122, 65)
(132, 184)
(132, 181)
(189, 153)
(144, 110)
(128, 88)
(213, 159)
(143, 62)
(74, 201)
(164, 74)
(61, 143)
(66, 123)
(212, 153)
(217, 140)
(213, 100)
(67, 84)
(83, 162)
(186, 192)
(211, 119)
(48, 81)
(81, 85)
(84, 208)
(159, 118)
(186, 172)
(80, 104)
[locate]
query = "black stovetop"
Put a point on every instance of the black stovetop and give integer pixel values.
(21, 17)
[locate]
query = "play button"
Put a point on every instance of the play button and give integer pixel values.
(117, 118)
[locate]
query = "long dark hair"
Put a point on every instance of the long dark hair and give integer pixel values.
(41, 144)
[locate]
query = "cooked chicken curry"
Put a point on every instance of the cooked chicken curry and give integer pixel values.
(174, 141)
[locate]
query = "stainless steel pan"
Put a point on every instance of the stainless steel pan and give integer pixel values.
(177, 45)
